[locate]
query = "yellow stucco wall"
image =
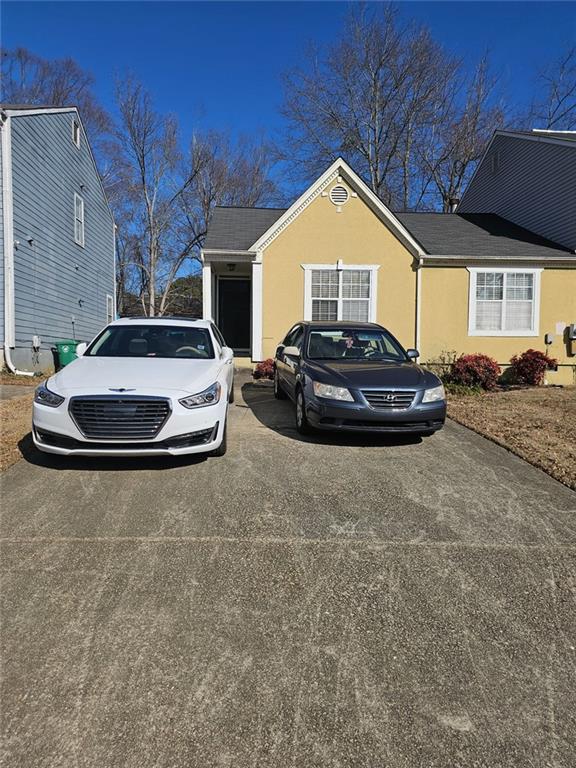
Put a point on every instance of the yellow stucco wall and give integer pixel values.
(322, 235)
(444, 321)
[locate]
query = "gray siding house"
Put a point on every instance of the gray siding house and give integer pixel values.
(57, 242)
(528, 178)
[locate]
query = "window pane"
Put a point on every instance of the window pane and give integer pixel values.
(489, 286)
(324, 310)
(355, 284)
(355, 310)
(324, 284)
(518, 316)
(488, 315)
(519, 286)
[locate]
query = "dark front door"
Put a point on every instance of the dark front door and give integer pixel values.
(234, 312)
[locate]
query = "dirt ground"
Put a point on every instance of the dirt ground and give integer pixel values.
(536, 424)
(15, 418)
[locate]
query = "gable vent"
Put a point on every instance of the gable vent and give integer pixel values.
(339, 195)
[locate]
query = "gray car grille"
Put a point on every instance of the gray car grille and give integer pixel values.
(119, 418)
(386, 398)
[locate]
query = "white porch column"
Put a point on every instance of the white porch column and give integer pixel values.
(207, 291)
(257, 309)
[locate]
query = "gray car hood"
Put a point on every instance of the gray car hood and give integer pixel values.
(357, 374)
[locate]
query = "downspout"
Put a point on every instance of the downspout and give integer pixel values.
(418, 299)
(8, 221)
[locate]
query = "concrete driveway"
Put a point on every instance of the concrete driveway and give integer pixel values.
(343, 603)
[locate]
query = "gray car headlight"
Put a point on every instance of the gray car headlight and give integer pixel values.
(434, 394)
(45, 396)
(331, 392)
(209, 396)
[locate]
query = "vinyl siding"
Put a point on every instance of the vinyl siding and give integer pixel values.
(56, 279)
(534, 186)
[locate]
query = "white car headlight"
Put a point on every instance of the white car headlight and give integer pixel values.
(331, 392)
(434, 394)
(45, 396)
(209, 396)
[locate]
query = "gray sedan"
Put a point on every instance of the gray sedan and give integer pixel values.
(356, 377)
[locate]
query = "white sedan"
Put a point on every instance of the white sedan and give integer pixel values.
(143, 387)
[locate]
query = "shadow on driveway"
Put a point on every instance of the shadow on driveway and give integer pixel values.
(278, 415)
(103, 464)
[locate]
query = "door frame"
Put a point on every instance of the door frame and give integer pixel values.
(244, 351)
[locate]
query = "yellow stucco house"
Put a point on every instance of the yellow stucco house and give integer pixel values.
(439, 282)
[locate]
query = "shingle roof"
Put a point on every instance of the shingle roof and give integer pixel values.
(474, 235)
(483, 235)
(236, 229)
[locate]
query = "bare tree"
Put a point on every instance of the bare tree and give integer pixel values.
(165, 196)
(449, 154)
(30, 79)
(369, 98)
(556, 108)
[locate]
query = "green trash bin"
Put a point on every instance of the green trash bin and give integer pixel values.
(66, 351)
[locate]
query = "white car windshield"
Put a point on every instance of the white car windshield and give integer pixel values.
(139, 340)
(355, 343)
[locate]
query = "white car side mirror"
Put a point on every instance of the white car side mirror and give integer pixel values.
(81, 349)
(291, 351)
(227, 353)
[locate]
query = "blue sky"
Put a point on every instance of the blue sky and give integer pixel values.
(218, 64)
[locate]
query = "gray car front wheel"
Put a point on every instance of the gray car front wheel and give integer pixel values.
(302, 423)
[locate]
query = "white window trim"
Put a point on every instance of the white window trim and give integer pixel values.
(77, 198)
(474, 271)
(372, 268)
(76, 124)
(110, 309)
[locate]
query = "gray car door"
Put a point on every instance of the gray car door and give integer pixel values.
(291, 365)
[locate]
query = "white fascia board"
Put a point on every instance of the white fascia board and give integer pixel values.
(39, 111)
(338, 168)
(8, 226)
(551, 261)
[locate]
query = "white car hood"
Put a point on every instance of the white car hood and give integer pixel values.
(140, 375)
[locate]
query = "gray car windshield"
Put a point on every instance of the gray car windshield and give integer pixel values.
(353, 343)
(139, 340)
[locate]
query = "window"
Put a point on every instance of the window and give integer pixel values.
(160, 340)
(218, 335)
(504, 302)
(360, 344)
(78, 220)
(76, 133)
(110, 313)
(294, 337)
(343, 293)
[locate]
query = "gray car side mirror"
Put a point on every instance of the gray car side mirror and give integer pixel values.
(412, 353)
(81, 348)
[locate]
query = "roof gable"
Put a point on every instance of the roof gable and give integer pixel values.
(338, 170)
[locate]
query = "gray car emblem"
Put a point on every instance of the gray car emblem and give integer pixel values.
(120, 389)
(390, 397)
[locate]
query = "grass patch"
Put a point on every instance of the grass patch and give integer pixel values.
(535, 423)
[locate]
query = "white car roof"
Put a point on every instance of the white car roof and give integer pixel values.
(181, 321)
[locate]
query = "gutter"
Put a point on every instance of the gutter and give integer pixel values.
(548, 261)
(8, 220)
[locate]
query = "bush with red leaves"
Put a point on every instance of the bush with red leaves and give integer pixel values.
(475, 371)
(265, 369)
(530, 367)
